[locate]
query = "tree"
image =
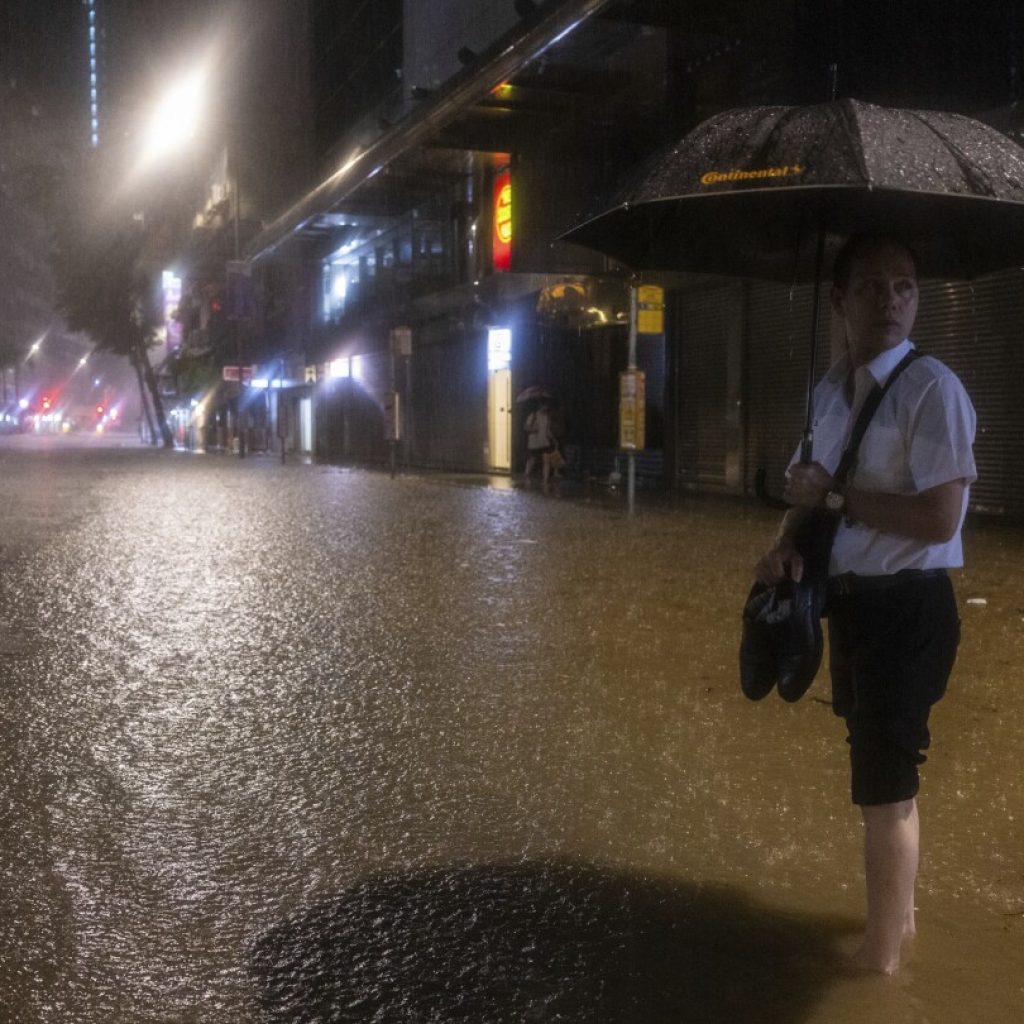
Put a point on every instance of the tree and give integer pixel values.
(29, 174)
(104, 290)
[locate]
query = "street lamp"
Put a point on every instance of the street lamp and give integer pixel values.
(177, 116)
(177, 120)
(35, 346)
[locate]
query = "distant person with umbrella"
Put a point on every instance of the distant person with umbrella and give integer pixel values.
(540, 440)
(540, 430)
(893, 622)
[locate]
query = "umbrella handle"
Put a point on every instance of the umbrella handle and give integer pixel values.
(807, 447)
(760, 476)
(807, 444)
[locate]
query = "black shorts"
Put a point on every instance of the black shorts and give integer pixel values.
(893, 641)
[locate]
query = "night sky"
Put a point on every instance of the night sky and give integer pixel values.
(911, 53)
(42, 51)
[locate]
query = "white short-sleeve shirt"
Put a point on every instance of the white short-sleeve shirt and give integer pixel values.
(920, 436)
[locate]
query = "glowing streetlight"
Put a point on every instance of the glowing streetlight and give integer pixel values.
(35, 346)
(176, 121)
(177, 116)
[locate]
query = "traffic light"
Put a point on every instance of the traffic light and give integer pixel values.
(99, 410)
(46, 403)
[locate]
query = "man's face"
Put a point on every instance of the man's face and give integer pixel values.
(879, 303)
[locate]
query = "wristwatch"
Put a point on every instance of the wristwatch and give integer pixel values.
(835, 501)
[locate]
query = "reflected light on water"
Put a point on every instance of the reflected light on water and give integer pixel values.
(292, 733)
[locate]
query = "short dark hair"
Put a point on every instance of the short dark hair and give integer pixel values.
(859, 244)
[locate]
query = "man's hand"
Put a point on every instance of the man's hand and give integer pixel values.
(807, 484)
(782, 562)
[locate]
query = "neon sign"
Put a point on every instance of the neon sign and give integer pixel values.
(502, 235)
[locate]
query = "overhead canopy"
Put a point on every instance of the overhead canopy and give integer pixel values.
(391, 172)
(574, 68)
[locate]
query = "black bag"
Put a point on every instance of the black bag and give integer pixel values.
(782, 640)
(813, 539)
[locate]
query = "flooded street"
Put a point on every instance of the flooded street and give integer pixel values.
(300, 743)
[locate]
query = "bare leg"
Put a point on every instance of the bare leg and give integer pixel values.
(545, 468)
(891, 845)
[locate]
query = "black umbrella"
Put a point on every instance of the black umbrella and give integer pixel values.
(533, 392)
(745, 192)
(769, 191)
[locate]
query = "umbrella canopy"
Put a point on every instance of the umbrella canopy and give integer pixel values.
(746, 193)
(534, 391)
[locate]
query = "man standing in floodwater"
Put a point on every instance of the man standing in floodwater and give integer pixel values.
(893, 622)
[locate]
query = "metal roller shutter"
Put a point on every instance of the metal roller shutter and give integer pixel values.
(446, 418)
(701, 324)
(977, 329)
(776, 361)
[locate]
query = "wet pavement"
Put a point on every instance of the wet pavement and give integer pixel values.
(301, 743)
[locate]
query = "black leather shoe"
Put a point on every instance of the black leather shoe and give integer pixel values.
(782, 641)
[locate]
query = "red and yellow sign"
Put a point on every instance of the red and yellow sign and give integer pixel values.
(501, 238)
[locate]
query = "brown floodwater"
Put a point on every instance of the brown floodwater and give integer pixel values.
(297, 743)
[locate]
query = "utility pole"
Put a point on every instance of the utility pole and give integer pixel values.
(235, 297)
(238, 322)
(631, 367)
(646, 316)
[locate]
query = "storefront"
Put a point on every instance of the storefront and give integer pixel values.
(739, 365)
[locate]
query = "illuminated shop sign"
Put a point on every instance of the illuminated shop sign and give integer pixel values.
(499, 348)
(171, 285)
(501, 241)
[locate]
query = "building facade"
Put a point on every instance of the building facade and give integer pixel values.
(457, 142)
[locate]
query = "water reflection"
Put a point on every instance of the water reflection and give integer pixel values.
(248, 707)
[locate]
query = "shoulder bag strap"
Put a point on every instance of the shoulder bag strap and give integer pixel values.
(867, 410)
